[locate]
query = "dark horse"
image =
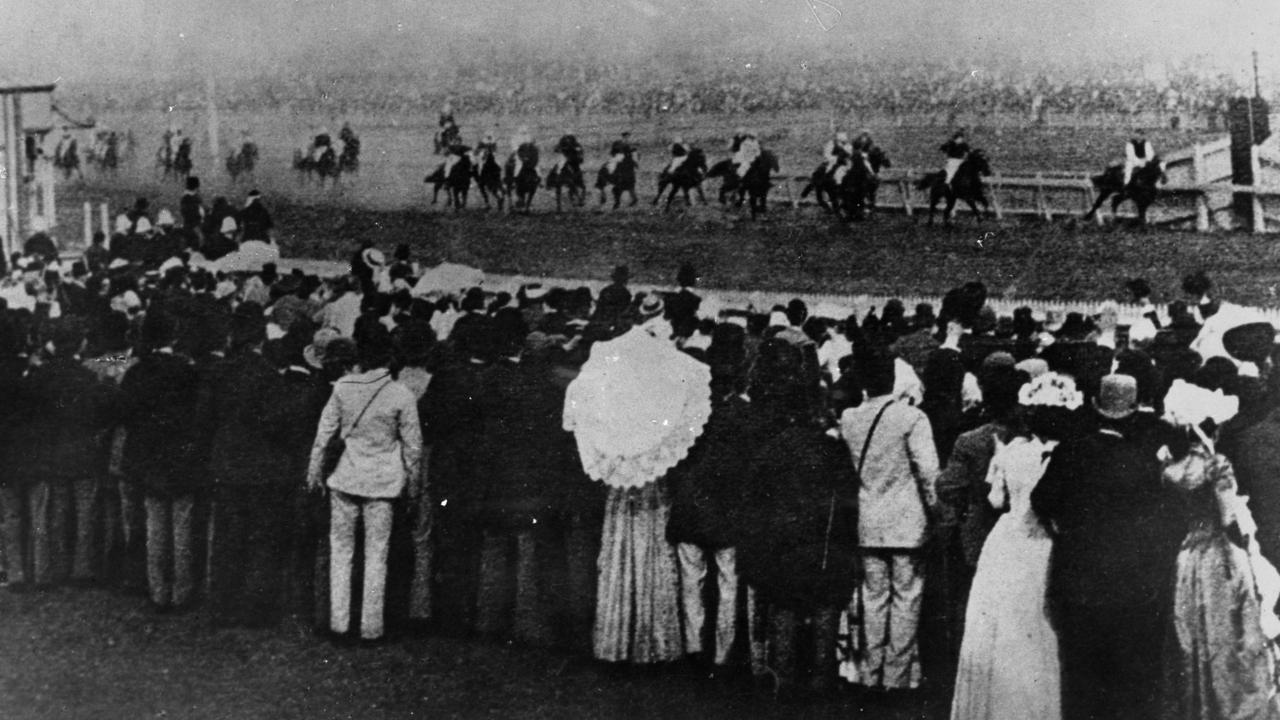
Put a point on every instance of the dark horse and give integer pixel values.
(688, 176)
(488, 175)
(457, 183)
(753, 186)
(566, 174)
(622, 178)
(242, 161)
(826, 189)
(324, 167)
(1142, 188)
(521, 186)
(349, 159)
(967, 185)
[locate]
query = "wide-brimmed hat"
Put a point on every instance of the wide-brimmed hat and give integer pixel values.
(1117, 397)
(228, 225)
(373, 257)
(318, 351)
(164, 218)
(651, 307)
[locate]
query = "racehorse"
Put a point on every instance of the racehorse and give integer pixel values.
(521, 187)
(457, 183)
(326, 166)
(566, 174)
(622, 178)
(753, 185)
(967, 185)
(1142, 187)
(242, 161)
(488, 176)
(688, 176)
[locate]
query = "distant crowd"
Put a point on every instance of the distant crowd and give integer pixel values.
(509, 86)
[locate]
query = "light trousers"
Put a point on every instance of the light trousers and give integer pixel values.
(892, 590)
(693, 582)
(344, 510)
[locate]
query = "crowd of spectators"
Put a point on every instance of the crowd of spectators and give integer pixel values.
(515, 85)
(215, 437)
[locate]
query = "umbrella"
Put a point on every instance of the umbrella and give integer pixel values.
(251, 256)
(449, 278)
(636, 408)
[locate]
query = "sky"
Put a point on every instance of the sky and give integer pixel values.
(83, 39)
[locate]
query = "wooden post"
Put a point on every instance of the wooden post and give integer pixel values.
(1259, 217)
(904, 187)
(1202, 212)
(1198, 171)
(995, 200)
(88, 223)
(213, 115)
(1042, 202)
(105, 218)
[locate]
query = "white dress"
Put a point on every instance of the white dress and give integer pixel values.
(1009, 657)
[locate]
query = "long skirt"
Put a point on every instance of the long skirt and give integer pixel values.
(637, 589)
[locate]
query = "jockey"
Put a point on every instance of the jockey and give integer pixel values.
(446, 116)
(526, 151)
(679, 152)
(1137, 153)
(454, 153)
(175, 142)
(836, 149)
(748, 149)
(487, 144)
(322, 141)
(65, 145)
(620, 150)
(346, 134)
(570, 150)
(956, 149)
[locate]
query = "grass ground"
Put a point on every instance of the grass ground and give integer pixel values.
(67, 655)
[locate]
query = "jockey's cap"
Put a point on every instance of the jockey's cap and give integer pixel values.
(842, 136)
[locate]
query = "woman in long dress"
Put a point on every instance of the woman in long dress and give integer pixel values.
(635, 410)
(1009, 656)
(1219, 662)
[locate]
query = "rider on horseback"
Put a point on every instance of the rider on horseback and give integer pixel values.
(746, 148)
(620, 150)
(569, 149)
(322, 142)
(836, 150)
(1137, 153)
(66, 146)
(526, 151)
(679, 152)
(957, 151)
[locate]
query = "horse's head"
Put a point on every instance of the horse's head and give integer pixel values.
(978, 163)
(697, 158)
(1153, 172)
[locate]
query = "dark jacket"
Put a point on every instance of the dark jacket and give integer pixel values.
(158, 404)
(793, 549)
(705, 486)
(1116, 527)
(524, 450)
(60, 408)
(453, 427)
(256, 222)
(240, 417)
(963, 486)
(1257, 466)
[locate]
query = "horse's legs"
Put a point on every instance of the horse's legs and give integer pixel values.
(662, 186)
(634, 199)
(1102, 197)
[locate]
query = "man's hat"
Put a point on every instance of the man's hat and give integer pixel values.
(620, 274)
(651, 307)
(164, 218)
(228, 225)
(373, 257)
(1251, 342)
(1117, 397)
(193, 183)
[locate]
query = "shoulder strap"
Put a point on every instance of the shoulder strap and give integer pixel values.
(366, 407)
(866, 444)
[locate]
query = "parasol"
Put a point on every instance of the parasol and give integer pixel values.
(251, 256)
(449, 278)
(636, 408)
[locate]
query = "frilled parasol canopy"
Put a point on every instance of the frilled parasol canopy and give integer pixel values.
(636, 408)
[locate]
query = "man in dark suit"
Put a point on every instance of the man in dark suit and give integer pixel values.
(239, 417)
(1115, 535)
(255, 220)
(682, 306)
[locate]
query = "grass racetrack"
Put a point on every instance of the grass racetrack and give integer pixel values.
(798, 249)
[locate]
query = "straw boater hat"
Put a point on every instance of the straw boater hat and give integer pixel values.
(228, 225)
(317, 352)
(373, 258)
